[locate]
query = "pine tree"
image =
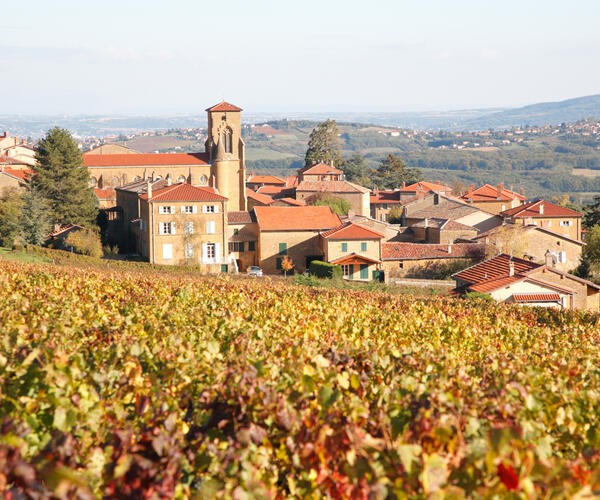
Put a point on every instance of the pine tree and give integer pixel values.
(392, 173)
(323, 145)
(63, 180)
(35, 220)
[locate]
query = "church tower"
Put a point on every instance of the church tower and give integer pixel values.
(227, 153)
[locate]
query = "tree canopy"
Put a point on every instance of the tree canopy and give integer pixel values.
(338, 206)
(324, 145)
(392, 173)
(63, 180)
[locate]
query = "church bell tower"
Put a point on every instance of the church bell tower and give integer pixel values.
(227, 153)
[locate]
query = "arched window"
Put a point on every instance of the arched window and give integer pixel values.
(93, 182)
(203, 180)
(227, 140)
(181, 178)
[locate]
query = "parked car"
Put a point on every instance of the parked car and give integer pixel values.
(254, 271)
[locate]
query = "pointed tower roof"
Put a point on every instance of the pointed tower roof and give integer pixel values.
(224, 106)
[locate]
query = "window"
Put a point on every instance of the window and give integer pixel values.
(166, 228)
(210, 209)
(210, 227)
(282, 249)
(188, 209)
(236, 231)
(503, 208)
(211, 250)
(181, 178)
(363, 246)
(227, 140)
(566, 223)
(344, 247)
(278, 263)
(165, 209)
(549, 223)
(236, 246)
(203, 180)
(383, 217)
(93, 181)
(189, 228)
(167, 251)
(560, 257)
(189, 250)
(346, 270)
(251, 246)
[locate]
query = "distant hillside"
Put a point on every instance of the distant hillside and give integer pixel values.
(544, 113)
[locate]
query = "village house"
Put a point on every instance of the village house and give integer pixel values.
(13, 177)
(257, 181)
(418, 260)
(242, 238)
(548, 215)
(319, 172)
(513, 280)
(356, 249)
(293, 232)
(255, 199)
(493, 199)
(357, 196)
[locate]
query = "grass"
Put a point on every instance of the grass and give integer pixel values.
(23, 256)
(266, 154)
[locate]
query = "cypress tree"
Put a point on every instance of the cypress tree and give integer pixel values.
(323, 145)
(63, 180)
(35, 220)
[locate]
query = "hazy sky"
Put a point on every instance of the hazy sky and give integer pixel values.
(180, 56)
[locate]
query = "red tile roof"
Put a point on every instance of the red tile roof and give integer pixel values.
(261, 198)
(105, 194)
(389, 197)
(20, 173)
(490, 193)
(308, 218)
(494, 268)
(355, 258)
(533, 209)
(144, 159)
(319, 169)
(425, 186)
(184, 192)
(331, 187)
(416, 251)
(239, 217)
(224, 106)
(270, 189)
(536, 297)
(351, 231)
(266, 179)
(291, 181)
(293, 202)
(62, 229)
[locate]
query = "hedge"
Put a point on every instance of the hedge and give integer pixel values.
(324, 269)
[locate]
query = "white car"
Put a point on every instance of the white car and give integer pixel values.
(254, 271)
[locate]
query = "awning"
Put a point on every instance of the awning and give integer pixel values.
(536, 297)
(355, 258)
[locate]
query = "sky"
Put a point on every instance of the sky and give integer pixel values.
(181, 56)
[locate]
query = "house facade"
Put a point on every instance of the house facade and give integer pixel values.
(493, 199)
(357, 196)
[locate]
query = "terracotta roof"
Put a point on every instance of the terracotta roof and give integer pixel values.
(416, 251)
(445, 209)
(144, 159)
(426, 186)
(266, 179)
(331, 187)
(291, 181)
(293, 202)
(105, 194)
(351, 231)
(184, 192)
(296, 218)
(518, 227)
(262, 198)
(490, 193)
(224, 106)
(444, 224)
(536, 297)
(495, 268)
(355, 258)
(62, 229)
(141, 186)
(319, 169)
(388, 197)
(240, 217)
(532, 209)
(19, 173)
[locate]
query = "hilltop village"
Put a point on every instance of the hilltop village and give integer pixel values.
(205, 209)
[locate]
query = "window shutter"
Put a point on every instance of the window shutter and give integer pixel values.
(217, 252)
(216, 209)
(172, 228)
(195, 209)
(182, 209)
(563, 257)
(204, 209)
(204, 253)
(161, 228)
(173, 209)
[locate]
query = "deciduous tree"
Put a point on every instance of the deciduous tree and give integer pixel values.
(392, 173)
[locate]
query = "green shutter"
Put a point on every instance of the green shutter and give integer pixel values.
(251, 246)
(278, 263)
(351, 273)
(241, 246)
(344, 247)
(282, 248)
(364, 271)
(363, 246)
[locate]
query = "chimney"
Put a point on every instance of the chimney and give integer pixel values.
(426, 221)
(511, 187)
(403, 184)
(449, 249)
(548, 258)
(149, 189)
(521, 191)
(169, 180)
(351, 213)
(499, 189)
(6, 134)
(541, 209)
(511, 268)
(471, 188)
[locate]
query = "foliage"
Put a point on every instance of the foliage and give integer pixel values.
(356, 170)
(287, 265)
(35, 223)
(395, 215)
(143, 385)
(63, 181)
(338, 205)
(486, 297)
(11, 205)
(439, 270)
(591, 217)
(325, 270)
(110, 250)
(85, 241)
(506, 239)
(392, 173)
(323, 145)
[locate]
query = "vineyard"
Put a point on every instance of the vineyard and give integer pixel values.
(136, 384)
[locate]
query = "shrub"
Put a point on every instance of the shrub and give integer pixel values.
(110, 251)
(85, 241)
(325, 270)
(479, 296)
